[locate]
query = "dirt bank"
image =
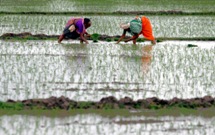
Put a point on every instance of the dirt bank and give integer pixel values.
(109, 103)
(95, 37)
(162, 12)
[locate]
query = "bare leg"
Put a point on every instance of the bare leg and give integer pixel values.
(134, 41)
(60, 38)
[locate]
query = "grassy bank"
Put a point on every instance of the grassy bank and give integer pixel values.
(110, 104)
(113, 6)
(206, 112)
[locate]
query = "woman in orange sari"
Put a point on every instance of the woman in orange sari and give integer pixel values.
(136, 27)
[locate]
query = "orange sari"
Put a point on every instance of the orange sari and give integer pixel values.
(147, 28)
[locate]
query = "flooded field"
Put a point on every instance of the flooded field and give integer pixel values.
(98, 5)
(93, 124)
(39, 69)
(163, 26)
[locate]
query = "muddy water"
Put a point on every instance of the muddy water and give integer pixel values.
(93, 124)
(39, 69)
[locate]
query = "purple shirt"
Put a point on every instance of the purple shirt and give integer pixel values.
(79, 25)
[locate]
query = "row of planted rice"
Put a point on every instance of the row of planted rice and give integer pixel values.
(163, 26)
(101, 6)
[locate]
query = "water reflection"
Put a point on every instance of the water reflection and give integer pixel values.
(40, 69)
(146, 58)
(93, 124)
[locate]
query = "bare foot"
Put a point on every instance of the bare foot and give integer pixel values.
(153, 42)
(60, 38)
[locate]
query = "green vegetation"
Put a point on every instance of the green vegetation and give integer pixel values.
(95, 37)
(11, 106)
(98, 5)
(116, 39)
(108, 39)
(159, 40)
(84, 105)
(140, 40)
(207, 112)
(191, 45)
(193, 26)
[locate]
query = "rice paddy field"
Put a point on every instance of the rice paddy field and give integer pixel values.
(163, 26)
(39, 69)
(106, 5)
(44, 68)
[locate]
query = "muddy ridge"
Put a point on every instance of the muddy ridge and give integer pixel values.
(109, 103)
(29, 36)
(95, 37)
(162, 12)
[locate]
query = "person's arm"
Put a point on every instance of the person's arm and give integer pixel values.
(133, 38)
(87, 34)
(83, 39)
(122, 37)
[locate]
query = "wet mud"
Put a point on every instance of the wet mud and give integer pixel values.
(30, 36)
(162, 12)
(109, 103)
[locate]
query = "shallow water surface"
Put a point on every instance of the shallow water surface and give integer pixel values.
(39, 69)
(93, 124)
(163, 26)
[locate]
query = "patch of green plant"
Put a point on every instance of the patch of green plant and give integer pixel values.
(108, 39)
(184, 105)
(13, 106)
(159, 40)
(116, 39)
(191, 45)
(84, 105)
(121, 106)
(95, 37)
(108, 106)
(154, 107)
(72, 105)
(95, 41)
(140, 40)
(137, 105)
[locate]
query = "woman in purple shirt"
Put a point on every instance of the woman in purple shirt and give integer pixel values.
(75, 28)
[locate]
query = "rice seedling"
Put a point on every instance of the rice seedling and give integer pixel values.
(165, 26)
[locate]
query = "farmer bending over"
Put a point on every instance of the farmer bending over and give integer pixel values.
(75, 28)
(136, 27)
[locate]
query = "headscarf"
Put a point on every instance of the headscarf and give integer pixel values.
(135, 26)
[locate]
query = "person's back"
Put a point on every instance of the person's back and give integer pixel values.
(76, 27)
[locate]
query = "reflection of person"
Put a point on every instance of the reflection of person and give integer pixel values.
(76, 27)
(146, 58)
(136, 27)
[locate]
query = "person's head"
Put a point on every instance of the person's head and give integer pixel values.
(87, 22)
(133, 27)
